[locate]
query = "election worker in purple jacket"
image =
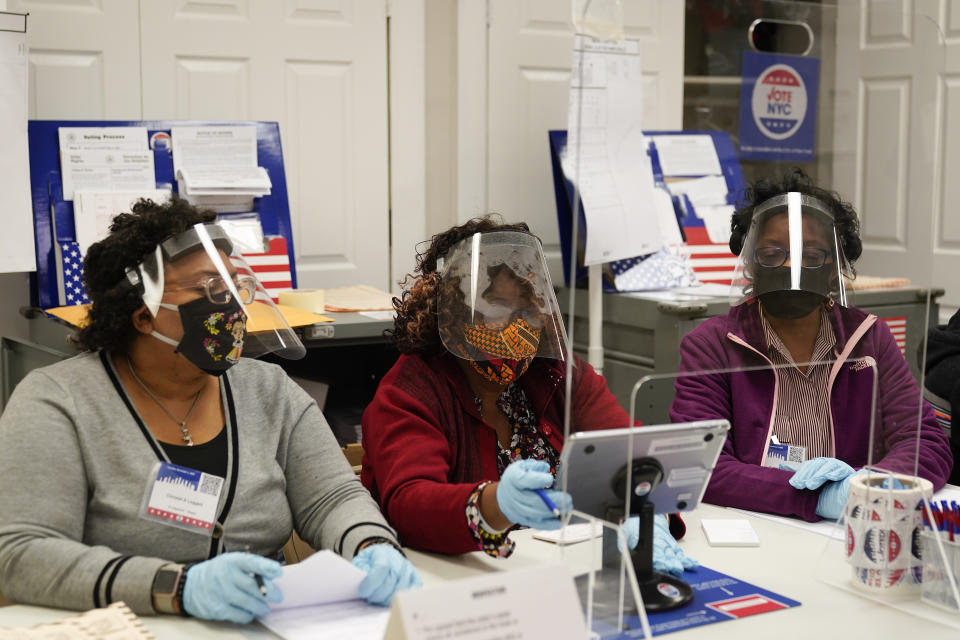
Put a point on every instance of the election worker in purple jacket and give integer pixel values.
(800, 361)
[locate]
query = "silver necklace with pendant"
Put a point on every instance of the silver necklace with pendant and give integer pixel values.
(181, 423)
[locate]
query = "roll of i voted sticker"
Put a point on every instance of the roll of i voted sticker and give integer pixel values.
(883, 531)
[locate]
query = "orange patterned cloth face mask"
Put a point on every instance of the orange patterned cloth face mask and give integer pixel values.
(508, 351)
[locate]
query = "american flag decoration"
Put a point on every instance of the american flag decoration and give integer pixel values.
(711, 261)
(898, 327)
(273, 267)
(70, 275)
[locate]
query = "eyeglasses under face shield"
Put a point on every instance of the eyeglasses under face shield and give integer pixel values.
(497, 283)
(792, 245)
(202, 260)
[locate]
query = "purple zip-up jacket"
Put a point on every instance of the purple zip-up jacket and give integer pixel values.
(748, 399)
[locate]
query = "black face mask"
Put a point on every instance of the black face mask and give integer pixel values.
(772, 286)
(213, 334)
(790, 304)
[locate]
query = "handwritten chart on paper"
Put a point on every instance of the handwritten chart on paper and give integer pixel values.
(606, 152)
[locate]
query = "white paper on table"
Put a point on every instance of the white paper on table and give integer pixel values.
(353, 619)
(729, 532)
(16, 242)
(687, 155)
(93, 211)
(107, 170)
(606, 152)
(80, 138)
(213, 146)
(708, 190)
(570, 534)
(322, 578)
(379, 315)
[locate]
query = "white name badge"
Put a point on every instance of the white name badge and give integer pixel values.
(511, 602)
(182, 497)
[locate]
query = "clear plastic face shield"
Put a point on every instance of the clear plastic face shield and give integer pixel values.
(224, 310)
(496, 304)
(791, 258)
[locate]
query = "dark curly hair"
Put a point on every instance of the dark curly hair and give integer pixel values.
(415, 327)
(132, 236)
(845, 219)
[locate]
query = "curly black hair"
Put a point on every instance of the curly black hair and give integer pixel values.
(132, 236)
(415, 327)
(845, 219)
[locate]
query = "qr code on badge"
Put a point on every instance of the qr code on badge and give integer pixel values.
(210, 484)
(796, 454)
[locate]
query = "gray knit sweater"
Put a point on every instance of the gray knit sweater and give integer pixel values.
(74, 462)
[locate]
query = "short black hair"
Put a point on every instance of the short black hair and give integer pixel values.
(845, 219)
(132, 236)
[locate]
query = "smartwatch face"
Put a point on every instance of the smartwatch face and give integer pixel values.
(166, 581)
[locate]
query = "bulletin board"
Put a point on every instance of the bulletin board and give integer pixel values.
(691, 227)
(55, 236)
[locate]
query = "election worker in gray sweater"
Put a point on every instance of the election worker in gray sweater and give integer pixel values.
(162, 469)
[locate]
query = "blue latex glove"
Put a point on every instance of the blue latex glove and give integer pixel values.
(520, 503)
(387, 571)
(668, 557)
(814, 472)
(833, 497)
(223, 588)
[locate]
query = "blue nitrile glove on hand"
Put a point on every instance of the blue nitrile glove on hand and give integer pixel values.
(668, 557)
(224, 588)
(387, 571)
(833, 497)
(519, 501)
(814, 472)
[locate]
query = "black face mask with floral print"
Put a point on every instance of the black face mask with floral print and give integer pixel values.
(213, 334)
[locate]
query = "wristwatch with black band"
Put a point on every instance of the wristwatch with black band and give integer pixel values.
(167, 590)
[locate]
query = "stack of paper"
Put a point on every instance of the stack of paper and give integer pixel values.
(216, 167)
(320, 601)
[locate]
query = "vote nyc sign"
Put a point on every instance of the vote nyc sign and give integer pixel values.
(778, 106)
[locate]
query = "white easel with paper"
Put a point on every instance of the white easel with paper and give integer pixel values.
(16, 242)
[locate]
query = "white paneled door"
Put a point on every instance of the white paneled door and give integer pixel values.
(527, 61)
(895, 109)
(319, 68)
(84, 58)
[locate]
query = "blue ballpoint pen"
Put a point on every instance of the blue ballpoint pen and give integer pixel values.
(547, 501)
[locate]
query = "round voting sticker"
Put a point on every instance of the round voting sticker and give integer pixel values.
(779, 101)
(668, 589)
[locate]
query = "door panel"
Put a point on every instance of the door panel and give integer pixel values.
(319, 68)
(84, 59)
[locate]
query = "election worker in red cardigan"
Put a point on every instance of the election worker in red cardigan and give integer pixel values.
(468, 424)
(794, 363)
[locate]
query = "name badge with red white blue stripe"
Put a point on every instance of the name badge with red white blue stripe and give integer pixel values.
(182, 497)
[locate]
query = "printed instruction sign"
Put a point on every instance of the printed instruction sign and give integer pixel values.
(778, 106)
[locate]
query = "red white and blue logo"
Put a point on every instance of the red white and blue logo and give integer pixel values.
(778, 106)
(779, 101)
